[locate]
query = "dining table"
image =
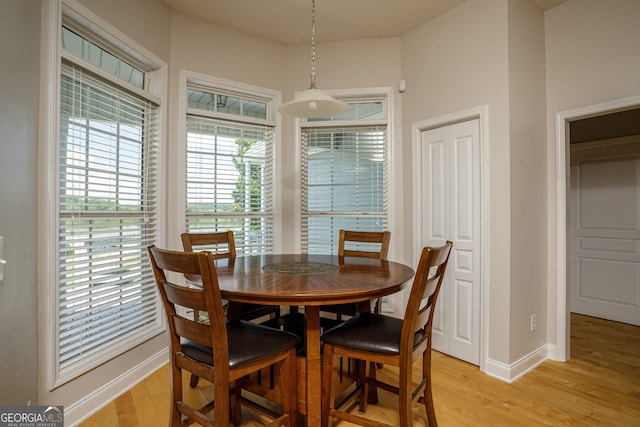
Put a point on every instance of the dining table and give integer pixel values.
(309, 281)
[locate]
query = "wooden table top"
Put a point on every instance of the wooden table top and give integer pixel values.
(309, 279)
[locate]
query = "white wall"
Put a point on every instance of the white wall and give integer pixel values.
(19, 50)
(592, 57)
(528, 177)
(452, 63)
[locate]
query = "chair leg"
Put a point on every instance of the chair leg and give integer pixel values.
(288, 380)
(176, 392)
(428, 393)
(221, 408)
(234, 403)
(327, 384)
(428, 405)
(372, 392)
(363, 376)
(404, 396)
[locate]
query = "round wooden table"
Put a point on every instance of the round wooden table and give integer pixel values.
(311, 281)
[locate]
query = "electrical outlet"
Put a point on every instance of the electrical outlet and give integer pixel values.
(533, 323)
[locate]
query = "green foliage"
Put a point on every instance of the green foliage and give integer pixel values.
(248, 193)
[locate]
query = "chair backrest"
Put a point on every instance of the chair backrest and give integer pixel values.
(418, 320)
(220, 244)
(369, 238)
(208, 298)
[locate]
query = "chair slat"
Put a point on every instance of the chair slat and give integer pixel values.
(185, 297)
(193, 331)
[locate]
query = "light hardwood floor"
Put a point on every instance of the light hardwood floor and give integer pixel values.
(599, 386)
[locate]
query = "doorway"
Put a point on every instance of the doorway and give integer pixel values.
(604, 226)
(563, 139)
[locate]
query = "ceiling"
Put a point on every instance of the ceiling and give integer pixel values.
(289, 21)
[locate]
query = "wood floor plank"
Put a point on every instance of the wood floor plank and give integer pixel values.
(599, 386)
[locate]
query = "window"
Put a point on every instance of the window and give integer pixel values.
(107, 206)
(229, 166)
(344, 175)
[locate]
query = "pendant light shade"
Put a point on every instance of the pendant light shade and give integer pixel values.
(313, 102)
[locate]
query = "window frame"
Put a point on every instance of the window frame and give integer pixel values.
(70, 12)
(360, 203)
(190, 79)
(351, 96)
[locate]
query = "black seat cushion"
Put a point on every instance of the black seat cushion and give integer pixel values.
(247, 343)
(370, 332)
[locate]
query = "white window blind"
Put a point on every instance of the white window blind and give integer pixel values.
(229, 182)
(107, 217)
(344, 183)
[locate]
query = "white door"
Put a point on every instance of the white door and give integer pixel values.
(449, 180)
(604, 238)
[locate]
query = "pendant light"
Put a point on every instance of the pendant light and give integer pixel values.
(313, 102)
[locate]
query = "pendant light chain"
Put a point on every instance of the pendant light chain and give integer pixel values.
(313, 102)
(313, 44)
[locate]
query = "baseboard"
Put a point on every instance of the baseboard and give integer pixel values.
(84, 408)
(511, 372)
(553, 353)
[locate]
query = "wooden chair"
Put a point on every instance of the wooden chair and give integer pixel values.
(373, 338)
(222, 245)
(220, 351)
(348, 242)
